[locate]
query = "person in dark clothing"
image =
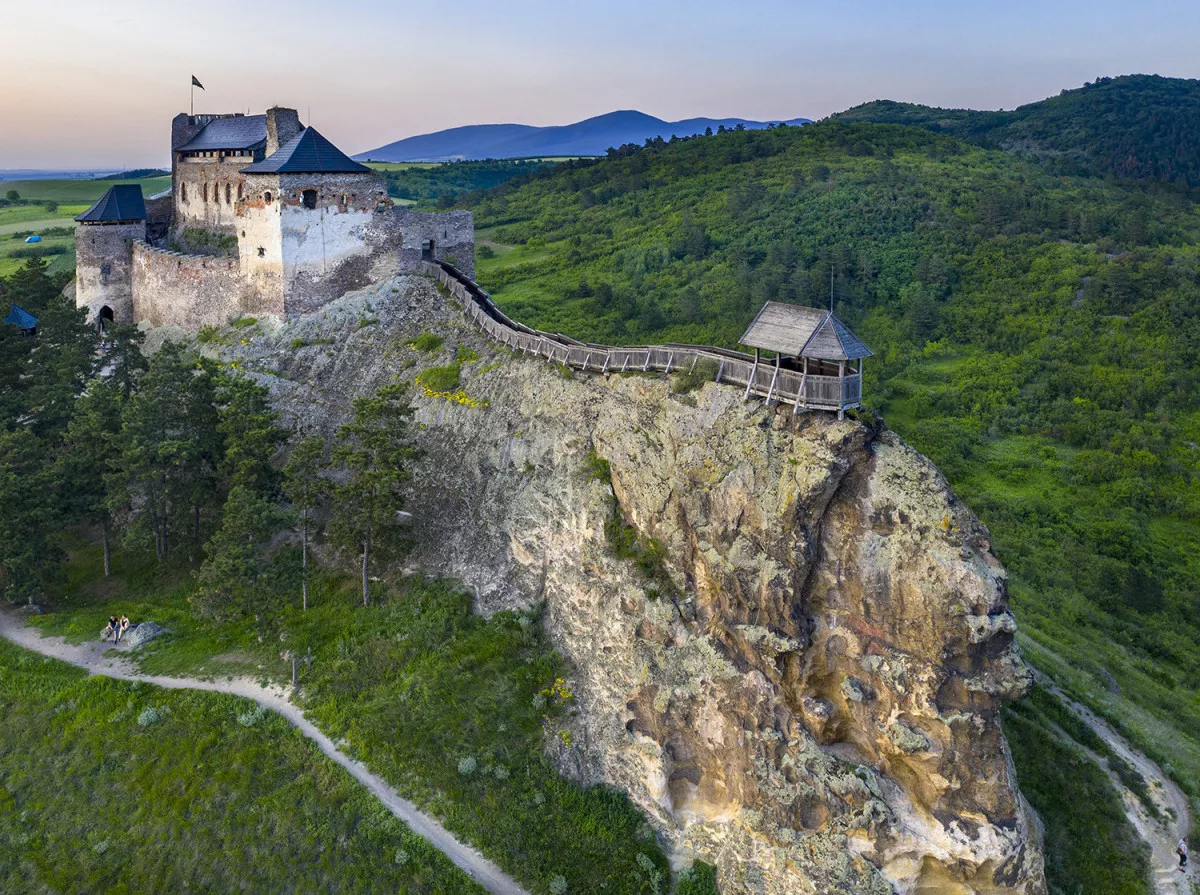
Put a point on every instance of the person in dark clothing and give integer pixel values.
(113, 630)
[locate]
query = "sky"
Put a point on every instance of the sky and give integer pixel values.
(94, 83)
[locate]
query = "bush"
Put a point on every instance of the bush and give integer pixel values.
(150, 716)
(440, 379)
(467, 766)
(705, 370)
(426, 342)
(464, 354)
(558, 885)
(485, 252)
(244, 322)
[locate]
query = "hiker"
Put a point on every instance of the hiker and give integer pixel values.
(123, 628)
(1181, 850)
(113, 629)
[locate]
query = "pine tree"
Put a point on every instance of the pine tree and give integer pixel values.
(248, 426)
(29, 554)
(88, 456)
(232, 578)
(63, 360)
(372, 452)
(171, 447)
(123, 358)
(305, 487)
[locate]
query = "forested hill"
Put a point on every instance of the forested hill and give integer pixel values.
(1036, 335)
(1137, 126)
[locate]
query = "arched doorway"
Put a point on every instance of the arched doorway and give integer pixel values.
(104, 318)
(427, 248)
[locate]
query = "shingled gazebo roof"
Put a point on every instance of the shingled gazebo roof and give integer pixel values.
(307, 153)
(122, 202)
(803, 332)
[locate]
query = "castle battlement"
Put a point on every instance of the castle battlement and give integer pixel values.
(310, 223)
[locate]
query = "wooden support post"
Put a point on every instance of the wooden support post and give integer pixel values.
(695, 360)
(720, 369)
(803, 396)
(750, 381)
(670, 357)
(646, 365)
(607, 358)
(841, 389)
(774, 378)
(625, 363)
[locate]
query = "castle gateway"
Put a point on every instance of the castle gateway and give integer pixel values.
(264, 217)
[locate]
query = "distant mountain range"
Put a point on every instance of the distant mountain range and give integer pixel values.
(592, 136)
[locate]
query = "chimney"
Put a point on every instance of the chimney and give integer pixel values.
(282, 125)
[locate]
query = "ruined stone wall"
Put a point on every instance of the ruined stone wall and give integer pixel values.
(207, 190)
(451, 233)
(260, 243)
(336, 236)
(188, 291)
(103, 268)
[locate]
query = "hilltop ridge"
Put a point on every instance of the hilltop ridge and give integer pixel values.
(1144, 127)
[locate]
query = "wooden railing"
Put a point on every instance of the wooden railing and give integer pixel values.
(762, 379)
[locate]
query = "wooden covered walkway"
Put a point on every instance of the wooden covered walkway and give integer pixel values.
(804, 391)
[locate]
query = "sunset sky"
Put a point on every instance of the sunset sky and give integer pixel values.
(94, 84)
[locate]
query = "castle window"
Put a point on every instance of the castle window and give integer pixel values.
(346, 200)
(239, 192)
(204, 192)
(267, 197)
(309, 198)
(262, 253)
(183, 191)
(105, 269)
(228, 194)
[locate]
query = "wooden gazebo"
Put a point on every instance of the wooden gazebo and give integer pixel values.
(815, 353)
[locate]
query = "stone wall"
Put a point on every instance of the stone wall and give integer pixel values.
(188, 291)
(334, 233)
(451, 235)
(103, 269)
(207, 190)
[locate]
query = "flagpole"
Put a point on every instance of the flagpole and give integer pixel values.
(192, 88)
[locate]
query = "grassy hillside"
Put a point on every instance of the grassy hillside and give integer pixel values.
(110, 787)
(1035, 335)
(1136, 126)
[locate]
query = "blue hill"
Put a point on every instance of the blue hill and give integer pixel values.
(592, 136)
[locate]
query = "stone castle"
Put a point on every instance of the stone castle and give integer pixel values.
(264, 217)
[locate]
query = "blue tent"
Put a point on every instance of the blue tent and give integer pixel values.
(21, 319)
(34, 238)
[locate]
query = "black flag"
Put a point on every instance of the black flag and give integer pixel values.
(196, 82)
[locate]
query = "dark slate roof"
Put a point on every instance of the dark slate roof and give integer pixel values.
(21, 318)
(803, 332)
(238, 132)
(122, 202)
(307, 153)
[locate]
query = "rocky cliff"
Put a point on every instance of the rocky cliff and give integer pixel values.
(805, 690)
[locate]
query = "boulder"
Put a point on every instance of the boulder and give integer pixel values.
(141, 634)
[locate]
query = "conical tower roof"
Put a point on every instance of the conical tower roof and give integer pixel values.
(307, 153)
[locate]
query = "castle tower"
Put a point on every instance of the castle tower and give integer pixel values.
(313, 224)
(103, 254)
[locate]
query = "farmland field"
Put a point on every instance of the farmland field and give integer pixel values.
(73, 197)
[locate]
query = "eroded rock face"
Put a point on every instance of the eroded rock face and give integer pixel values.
(816, 707)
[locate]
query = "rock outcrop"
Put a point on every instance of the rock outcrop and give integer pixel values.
(808, 693)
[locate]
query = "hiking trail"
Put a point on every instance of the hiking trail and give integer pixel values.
(1161, 835)
(96, 657)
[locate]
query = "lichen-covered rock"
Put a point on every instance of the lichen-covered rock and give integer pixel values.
(813, 704)
(143, 633)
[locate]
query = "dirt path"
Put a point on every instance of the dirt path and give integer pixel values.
(98, 659)
(1162, 835)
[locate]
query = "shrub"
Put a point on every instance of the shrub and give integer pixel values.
(426, 342)
(597, 468)
(150, 716)
(467, 766)
(207, 334)
(464, 354)
(244, 322)
(253, 717)
(703, 371)
(558, 885)
(440, 379)
(485, 252)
